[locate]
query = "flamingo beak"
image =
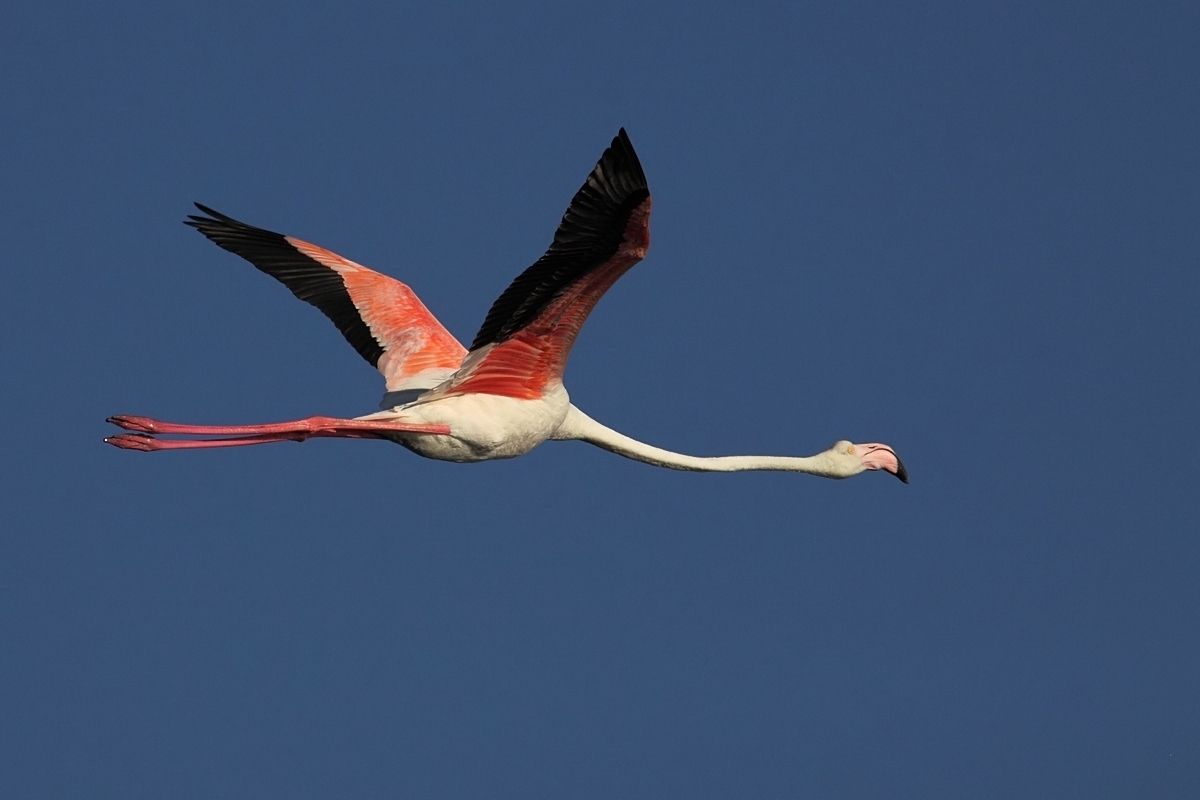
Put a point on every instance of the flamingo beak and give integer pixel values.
(880, 456)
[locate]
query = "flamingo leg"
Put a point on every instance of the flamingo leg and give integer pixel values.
(243, 435)
(149, 444)
(311, 426)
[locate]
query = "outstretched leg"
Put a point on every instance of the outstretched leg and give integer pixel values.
(242, 435)
(327, 426)
(147, 443)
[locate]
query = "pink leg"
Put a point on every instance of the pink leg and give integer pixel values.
(148, 444)
(243, 435)
(311, 426)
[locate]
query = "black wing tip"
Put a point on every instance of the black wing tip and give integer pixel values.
(618, 174)
(622, 140)
(622, 156)
(222, 228)
(212, 217)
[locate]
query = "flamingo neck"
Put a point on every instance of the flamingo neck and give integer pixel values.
(580, 426)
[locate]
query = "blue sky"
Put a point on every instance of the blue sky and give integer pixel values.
(967, 230)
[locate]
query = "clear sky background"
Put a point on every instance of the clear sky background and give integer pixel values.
(969, 230)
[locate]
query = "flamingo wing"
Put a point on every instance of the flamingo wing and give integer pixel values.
(527, 335)
(380, 317)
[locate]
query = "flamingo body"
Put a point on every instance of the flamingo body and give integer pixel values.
(482, 426)
(505, 395)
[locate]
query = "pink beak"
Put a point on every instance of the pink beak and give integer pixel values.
(880, 456)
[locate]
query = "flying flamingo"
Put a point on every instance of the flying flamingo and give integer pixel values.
(504, 395)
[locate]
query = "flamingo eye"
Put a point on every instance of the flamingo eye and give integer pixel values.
(850, 449)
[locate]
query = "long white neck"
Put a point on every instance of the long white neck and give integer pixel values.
(580, 426)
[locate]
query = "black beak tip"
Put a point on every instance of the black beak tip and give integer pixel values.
(901, 472)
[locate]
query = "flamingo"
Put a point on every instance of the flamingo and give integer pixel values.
(504, 395)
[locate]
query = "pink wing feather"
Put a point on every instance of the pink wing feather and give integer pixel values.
(382, 318)
(527, 336)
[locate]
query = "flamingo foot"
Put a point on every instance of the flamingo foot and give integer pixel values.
(132, 441)
(131, 423)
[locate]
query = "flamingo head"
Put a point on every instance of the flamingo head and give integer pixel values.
(849, 459)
